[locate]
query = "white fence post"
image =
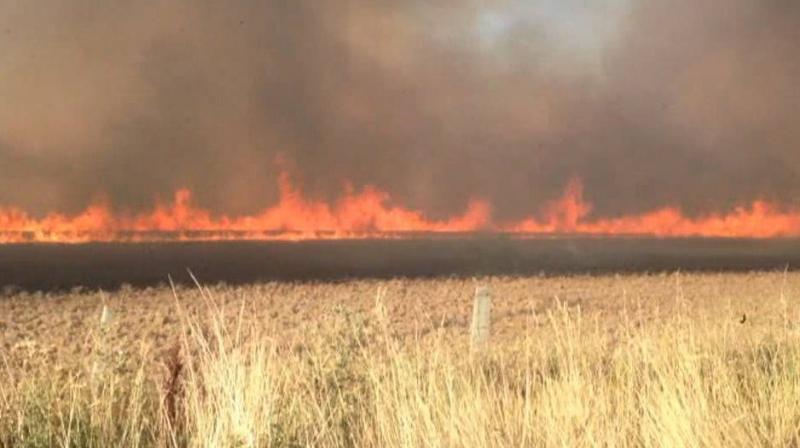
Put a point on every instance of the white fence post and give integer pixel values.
(481, 317)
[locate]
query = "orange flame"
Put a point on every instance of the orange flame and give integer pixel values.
(568, 215)
(369, 214)
(362, 215)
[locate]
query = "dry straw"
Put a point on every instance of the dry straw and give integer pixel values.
(683, 380)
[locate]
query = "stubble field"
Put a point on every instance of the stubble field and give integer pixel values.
(634, 360)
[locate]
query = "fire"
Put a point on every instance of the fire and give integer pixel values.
(370, 213)
(366, 214)
(569, 215)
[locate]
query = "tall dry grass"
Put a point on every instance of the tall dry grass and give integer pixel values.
(682, 380)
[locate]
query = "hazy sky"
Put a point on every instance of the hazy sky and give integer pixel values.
(652, 103)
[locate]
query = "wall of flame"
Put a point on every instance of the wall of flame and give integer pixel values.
(370, 213)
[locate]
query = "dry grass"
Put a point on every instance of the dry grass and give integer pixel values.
(659, 360)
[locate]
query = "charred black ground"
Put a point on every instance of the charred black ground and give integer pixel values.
(55, 267)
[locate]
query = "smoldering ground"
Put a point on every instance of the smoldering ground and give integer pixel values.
(650, 103)
(100, 265)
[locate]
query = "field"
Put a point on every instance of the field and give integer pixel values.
(616, 360)
(111, 265)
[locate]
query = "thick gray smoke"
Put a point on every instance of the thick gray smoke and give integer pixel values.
(651, 103)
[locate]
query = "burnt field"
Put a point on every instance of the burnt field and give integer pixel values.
(109, 265)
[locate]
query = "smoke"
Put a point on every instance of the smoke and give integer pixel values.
(650, 103)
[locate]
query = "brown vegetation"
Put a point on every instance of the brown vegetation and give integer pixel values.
(621, 360)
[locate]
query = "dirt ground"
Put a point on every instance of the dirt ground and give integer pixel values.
(58, 331)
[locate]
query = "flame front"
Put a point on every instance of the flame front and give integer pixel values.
(369, 214)
(759, 219)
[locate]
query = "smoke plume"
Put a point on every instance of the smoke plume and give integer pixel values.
(650, 103)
